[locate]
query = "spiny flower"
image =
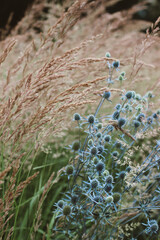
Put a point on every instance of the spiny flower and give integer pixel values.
(128, 169)
(90, 142)
(140, 117)
(95, 160)
(149, 120)
(106, 95)
(96, 214)
(153, 226)
(136, 123)
(116, 64)
(100, 125)
(155, 115)
(66, 210)
(108, 55)
(100, 149)
(115, 154)
(107, 138)
(77, 117)
(69, 169)
(108, 187)
(109, 199)
(91, 119)
(94, 150)
(129, 94)
(100, 166)
(121, 122)
(138, 97)
(116, 197)
(76, 145)
(150, 95)
(122, 174)
(94, 183)
(120, 78)
(123, 73)
(115, 115)
(99, 135)
(118, 106)
(118, 145)
(109, 179)
(60, 203)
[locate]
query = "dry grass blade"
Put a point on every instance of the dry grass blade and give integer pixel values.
(4, 172)
(6, 51)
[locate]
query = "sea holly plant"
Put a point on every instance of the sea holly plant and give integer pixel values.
(108, 196)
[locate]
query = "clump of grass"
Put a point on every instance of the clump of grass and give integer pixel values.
(39, 90)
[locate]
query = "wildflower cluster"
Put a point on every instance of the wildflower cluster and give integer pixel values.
(104, 190)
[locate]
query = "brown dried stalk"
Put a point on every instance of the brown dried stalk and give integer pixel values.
(114, 123)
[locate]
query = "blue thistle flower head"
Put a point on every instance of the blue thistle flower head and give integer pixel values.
(108, 55)
(91, 119)
(138, 97)
(94, 150)
(94, 183)
(99, 135)
(108, 187)
(152, 227)
(149, 120)
(123, 73)
(115, 154)
(75, 145)
(116, 197)
(109, 179)
(115, 115)
(129, 95)
(66, 210)
(60, 203)
(69, 169)
(90, 142)
(122, 174)
(76, 117)
(100, 166)
(95, 160)
(118, 144)
(136, 123)
(100, 126)
(118, 106)
(150, 95)
(121, 122)
(109, 199)
(128, 169)
(100, 149)
(107, 95)
(107, 138)
(110, 128)
(120, 78)
(140, 117)
(155, 115)
(116, 64)
(158, 112)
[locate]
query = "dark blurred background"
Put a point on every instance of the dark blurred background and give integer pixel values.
(14, 9)
(11, 11)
